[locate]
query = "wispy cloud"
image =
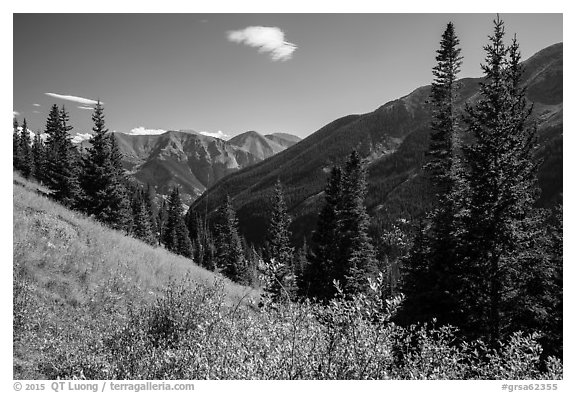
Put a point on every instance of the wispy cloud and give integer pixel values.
(14, 113)
(36, 105)
(80, 100)
(218, 134)
(35, 111)
(145, 131)
(89, 108)
(266, 39)
(78, 138)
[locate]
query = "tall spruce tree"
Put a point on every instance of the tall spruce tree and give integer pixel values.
(150, 201)
(433, 281)
(503, 255)
(39, 158)
(105, 196)
(341, 248)
(229, 252)
(317, 280)
(356, 262)
(162, 219)
(282, 280)
(16, 152)
(26, 159)
(61, 166)
(66, 168)
(54, 140)
(202, 239)
(175, 237)
(118, 190)
(552, 327)
(142, 228)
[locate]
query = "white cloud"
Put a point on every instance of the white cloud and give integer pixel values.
(145, 131)
(218, 134)
(266, 39)
(43, 135)
(35, 111)
(14, 113)
(90, 108)
(80, 100)
(35, 104)
(81, 137)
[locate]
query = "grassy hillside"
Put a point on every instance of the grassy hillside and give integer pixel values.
(90, 303)
(74, 277)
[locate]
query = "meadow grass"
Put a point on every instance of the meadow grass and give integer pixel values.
(78, 275)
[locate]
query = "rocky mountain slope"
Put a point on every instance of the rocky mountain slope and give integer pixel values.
(263, 146)
(190, 160)
(393, 139)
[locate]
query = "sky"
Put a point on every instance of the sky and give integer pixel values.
(224, 74)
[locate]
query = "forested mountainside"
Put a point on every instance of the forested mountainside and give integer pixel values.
(393, 139)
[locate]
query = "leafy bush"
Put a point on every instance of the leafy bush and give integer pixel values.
(191, 333)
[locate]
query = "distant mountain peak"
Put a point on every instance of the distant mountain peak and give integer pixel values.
(263, 146)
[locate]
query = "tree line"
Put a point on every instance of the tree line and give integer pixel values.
(485, 259)
(93, 180)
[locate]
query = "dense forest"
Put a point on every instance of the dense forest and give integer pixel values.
(483, 255)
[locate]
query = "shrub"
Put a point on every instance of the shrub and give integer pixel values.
(190, 333)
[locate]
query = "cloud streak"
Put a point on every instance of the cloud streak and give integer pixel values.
(145, 131)
(267, 39)
(89, 108)
(79, 100)
(78, 138)
(218, 134)
(43, 135)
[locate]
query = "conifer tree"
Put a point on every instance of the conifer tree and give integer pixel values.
(356, 262)
(433, 274)
(229, 253)
(503, 254)
(117, 188)
(61, 164)
(162, 219)
(66, 168)
(150, 201)
(282, 283)
(26, 160)
(175, 237)
(317, 280)
(39, 158)
(54, 140)
(194, 226)
(16, 152)
(141, 219)
(96, 166)
(202, 239)
(341, 250)
(105, 196)
(552, 326)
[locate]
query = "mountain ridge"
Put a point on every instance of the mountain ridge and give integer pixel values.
(188, 159)
(393, 138)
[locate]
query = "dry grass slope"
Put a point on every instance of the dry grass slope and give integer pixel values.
(78, 274)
